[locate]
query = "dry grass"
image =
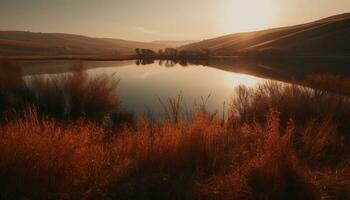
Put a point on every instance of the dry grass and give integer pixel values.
(200, 159)
(13, 91)
(64, 97)
(328, 82)
(292, 101)
(74, 95)
(45, 160)
(279, 142)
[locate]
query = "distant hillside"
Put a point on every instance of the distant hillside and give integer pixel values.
(329, 36)
(28, 43)
(175, 43)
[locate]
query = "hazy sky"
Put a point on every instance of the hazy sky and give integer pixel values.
(148, 20)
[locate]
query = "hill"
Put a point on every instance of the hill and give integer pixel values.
(175, 43)
(28, 43)
(329, 36)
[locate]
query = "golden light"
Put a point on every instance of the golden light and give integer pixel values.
(249, 15)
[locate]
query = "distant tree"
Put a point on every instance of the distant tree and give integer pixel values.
(144, 51)
(171, 51)
(167, 51)
(151, 52)
(138, 52)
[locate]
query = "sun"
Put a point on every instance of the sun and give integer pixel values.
(249, 15)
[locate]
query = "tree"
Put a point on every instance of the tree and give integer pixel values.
(170, 51)
(144, 51)
(138, 52)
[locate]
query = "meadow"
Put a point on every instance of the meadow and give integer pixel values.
(69, 138)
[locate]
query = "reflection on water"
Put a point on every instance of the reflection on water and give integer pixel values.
(141, 86)
(143, 82)
(63, 97)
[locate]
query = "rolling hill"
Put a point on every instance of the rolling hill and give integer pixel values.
(175, 43)
(20, 43)
(329, 36)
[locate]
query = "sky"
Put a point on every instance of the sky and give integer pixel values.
(149, 20)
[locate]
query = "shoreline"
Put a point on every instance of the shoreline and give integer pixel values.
(90, 58)
(135, 57)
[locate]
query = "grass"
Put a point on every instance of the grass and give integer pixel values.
(76, 94)
(278, 142)
(64, 97)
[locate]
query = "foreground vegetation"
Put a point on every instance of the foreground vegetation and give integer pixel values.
(277, 142)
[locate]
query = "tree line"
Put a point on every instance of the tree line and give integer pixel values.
(171, 53)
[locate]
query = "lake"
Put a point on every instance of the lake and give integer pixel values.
(142, 87)
(143, 84)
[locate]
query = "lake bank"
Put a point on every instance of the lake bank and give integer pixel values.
(162, 57)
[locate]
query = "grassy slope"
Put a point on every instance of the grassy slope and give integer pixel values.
(175, 43)
(28, 43)
(326, 36)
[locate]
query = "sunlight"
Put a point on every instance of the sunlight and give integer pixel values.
(235, 79)
(249, 15)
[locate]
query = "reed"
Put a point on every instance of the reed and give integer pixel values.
(278, 142)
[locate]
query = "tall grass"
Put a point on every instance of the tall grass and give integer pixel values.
(200, 159)
(63, 97)
(292, 101)
(76, 94)
(279, 142)
(13, 91)
(46, 160)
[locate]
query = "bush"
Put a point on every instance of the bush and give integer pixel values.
(279, 142)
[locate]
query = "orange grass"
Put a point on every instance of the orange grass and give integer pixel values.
(200, 159)
(279, 142)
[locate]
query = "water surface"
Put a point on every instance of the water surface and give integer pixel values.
(142, 87)
(143, 83)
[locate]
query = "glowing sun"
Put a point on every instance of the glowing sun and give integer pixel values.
(249, 15)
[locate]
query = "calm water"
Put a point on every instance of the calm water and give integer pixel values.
(141, 86)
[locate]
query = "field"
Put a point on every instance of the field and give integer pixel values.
(70, 139)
